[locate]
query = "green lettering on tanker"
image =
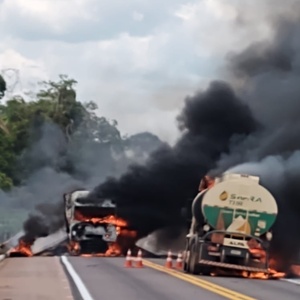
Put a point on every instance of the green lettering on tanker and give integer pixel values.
(240, 220)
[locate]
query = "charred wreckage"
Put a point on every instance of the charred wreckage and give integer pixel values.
(91, 227)
(230, 229)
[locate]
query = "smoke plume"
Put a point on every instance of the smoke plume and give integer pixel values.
(271, 73)
(54, 166)
(251, 127)
(152, 195)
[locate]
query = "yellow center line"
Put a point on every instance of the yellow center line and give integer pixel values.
(226, 293)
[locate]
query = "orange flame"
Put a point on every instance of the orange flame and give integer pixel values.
(260, 256)
(272, 274)
(23, 249)
(73, 247)
(114, 249)
(108, 219)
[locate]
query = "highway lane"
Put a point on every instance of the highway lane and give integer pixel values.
(255, 288)
(260, 289)
(108, 279)
(35, 278)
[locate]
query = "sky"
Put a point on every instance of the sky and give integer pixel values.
(137, 59)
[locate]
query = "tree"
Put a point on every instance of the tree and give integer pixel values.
(6, 154)
(22, 123)
(65, 109)
(6, 183)
(7, 160)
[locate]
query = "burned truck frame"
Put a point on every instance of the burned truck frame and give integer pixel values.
(89, 225)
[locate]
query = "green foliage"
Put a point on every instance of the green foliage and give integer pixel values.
(5, 182)
(55, 102)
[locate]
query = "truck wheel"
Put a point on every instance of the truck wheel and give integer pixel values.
(194, 260)
(185, 265)
(186, 259)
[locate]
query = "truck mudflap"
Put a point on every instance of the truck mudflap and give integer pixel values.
(232, 266)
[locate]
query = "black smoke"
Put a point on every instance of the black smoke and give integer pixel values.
(253, 128)
(151, 196)
(52, 166)
(47, 219)
(271, 72)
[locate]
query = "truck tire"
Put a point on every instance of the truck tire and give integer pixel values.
(194, 260)
(185, 265)
(186, 258)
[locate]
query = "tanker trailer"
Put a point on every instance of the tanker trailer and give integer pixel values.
(91, 227)
(231, 226)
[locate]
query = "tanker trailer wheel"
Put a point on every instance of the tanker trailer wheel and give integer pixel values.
(185, 264)
(194, 259)
(186, 259)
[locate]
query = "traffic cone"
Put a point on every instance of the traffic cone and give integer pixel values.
(169, 264)
(128, 261)
(139, 261)
(179, 264)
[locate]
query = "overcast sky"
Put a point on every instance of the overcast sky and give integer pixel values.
(137, 59)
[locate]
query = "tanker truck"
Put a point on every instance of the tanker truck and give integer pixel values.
(231, 226)
(90, 226)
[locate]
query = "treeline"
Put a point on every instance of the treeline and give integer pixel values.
(22, 124)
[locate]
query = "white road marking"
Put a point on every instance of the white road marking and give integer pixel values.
(78, 282)
(294, 281)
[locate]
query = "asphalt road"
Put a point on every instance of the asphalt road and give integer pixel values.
(36, 278)
(254, 288)
(107, 279)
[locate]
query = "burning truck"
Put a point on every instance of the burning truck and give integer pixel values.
(232, 217)
(92, 228)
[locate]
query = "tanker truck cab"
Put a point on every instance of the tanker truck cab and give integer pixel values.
(231, 226)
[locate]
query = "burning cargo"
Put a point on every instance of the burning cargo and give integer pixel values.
(231, 226)
(92, 228)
